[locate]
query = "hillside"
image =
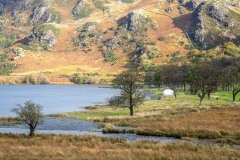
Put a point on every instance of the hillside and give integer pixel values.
(88, 41)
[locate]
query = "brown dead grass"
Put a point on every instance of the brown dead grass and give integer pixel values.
(91, 147)
(213, 120)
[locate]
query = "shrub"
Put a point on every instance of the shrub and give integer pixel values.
(56, 16)
(112, 28)
(6, 68)
(109, 56)
(35, 80)
(83, 11)
(175, 54)
(7, 40)
(161, 38)
(82, 79)
(128, 1)
(153, 53)
(151, 43)
(100, 5)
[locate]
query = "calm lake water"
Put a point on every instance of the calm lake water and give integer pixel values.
(54, 98)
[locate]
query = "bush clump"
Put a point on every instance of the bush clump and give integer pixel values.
(128, 1)
(82, 10)
(109, 56)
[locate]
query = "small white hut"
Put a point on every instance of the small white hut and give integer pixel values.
(168, 92)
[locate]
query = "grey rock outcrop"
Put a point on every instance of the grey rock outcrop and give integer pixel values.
(46, 36)
(82, 9)
(39, 13)
(8, 2)
(112, 43)
(23, 6)
(193, 4)
(221, 14)
(135, 22)
(181, 1)
(211, 22)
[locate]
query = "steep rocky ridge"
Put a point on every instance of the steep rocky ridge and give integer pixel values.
(214, 23)
(103, 40)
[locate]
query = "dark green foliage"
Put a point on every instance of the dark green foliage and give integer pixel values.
(128, 1)
(84, 28)
(56, 16)
(30, 114)
(175, 54)
(109, 56)
(153, 53)
(35, 80)
(82, 12)
(91, 35)
(38, 40)
(161, 38)
(7, 40)
(100, 5)
(3, 56)
(189, 47)
(130, 83)
(6, 68)
(85, 78)
(46, 27)
(150, 43)
(112, 28)
(2, 27)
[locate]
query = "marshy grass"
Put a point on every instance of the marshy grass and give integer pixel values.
(179, 117)
(213, 123)
(91, 147)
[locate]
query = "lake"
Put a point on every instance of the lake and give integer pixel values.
(54, 98)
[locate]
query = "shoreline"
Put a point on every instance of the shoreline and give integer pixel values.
(128, 134)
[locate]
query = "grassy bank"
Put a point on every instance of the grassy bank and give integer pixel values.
(8, 121)
(181, 117)
(91, 147)
(154, 106)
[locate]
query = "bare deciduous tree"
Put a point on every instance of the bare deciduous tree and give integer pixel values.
(30, 114)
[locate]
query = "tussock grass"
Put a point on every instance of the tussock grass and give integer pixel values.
(213, 123)
(92, 147)
(181, 117)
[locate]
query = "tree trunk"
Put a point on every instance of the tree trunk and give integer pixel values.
(201, 96)
(235, 92)
(201, 99)
(234, 97)
(209, 95)
(131, 111)
(32, 132)
(131, 105)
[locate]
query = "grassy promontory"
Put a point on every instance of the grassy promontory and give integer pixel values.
(182, 118)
